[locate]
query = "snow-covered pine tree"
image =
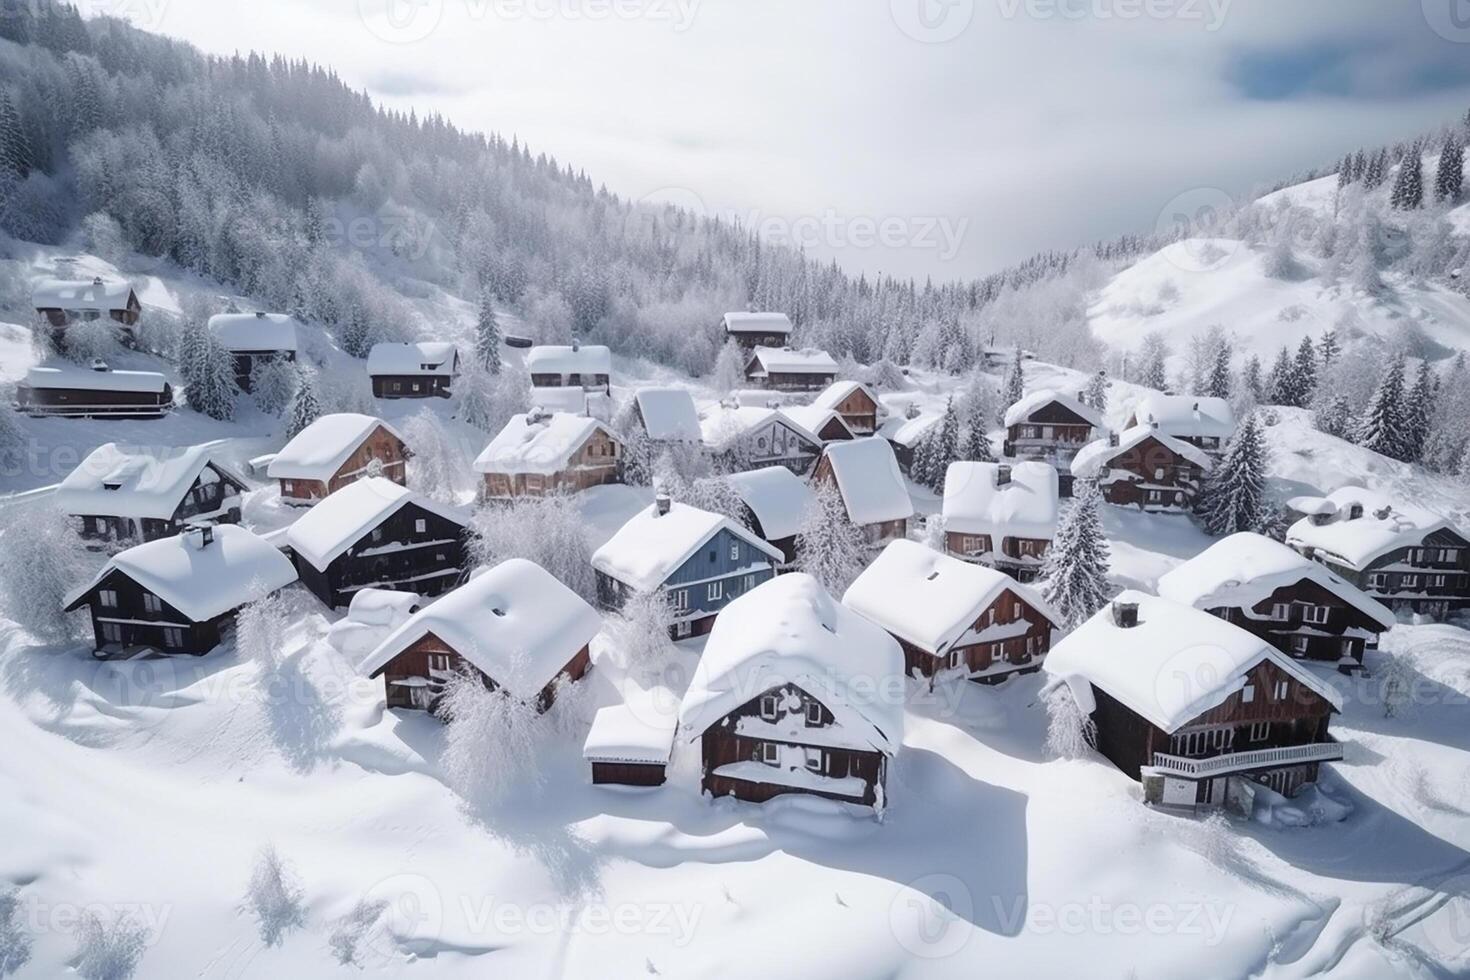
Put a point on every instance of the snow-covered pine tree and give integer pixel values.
(1251, 378)
(1234, 497)
(1381, 426)
(487, 336)
(1449, 179)
(1304, 369)
(1070, 734)
(15, 148)
(304, 407)
(729, 370)
(829, 547)
(1328, 348)
(1334, 416)
(920, 469)
(1345, 172)
(1015, 388)
(977, 439)
(1360, 166)
(1376, 171)
(1408, 187)
(213, 392)
(1076, 566)
(474, 394)
(12, 438)
(1219, 381)
(1281, 382)
(1095, 395)
(944, 448)
(1418, 413)
(1154, 354)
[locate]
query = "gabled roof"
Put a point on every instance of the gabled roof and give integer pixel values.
(928, 599)
(784, 360)
(254, 331)
(1091, 458)
(790, 631)
(136, 482)
(581, 359)
(652, 546)
(201, 582)
(427, 358)
(1176, 664)
(515, 622)
(758, 323)
(722, 425)
(89, 379)
(871, 484)
(541, 444)
(81, 294)
(668, 414)
(839, 391)
(1026, 507)
(1387, 525)
(777, 497)
(320, 449)
(1187, 416)
(814, 419)
(1042, 397)
(909, 432)
(1244, 569)
(340, 520)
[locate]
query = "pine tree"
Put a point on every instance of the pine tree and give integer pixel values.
(1076, 566)
(1345, 172)
(977, 439)
(1381, 427)
(944, 449)
(1234, 497)
(1154, 354)
(1015, 382)
(829, 547)
(1449, 179)
(1095, 395)
(1418, 413)
(487, 336)
(1360, 166)
(15, 149)
(1328, 348)
(213, 392)
(1304, 371)
(1251, 378)
(304, 407)
(1279, 383)
(1408, 187)
(729, 371)
(1335, 417)
(1376, 171)
(1218, 383)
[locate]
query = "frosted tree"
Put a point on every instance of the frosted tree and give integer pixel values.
(1328, 348)
(944, 448)
(213, 390)
(729, 371)
(1281, 387)
(1408, 186)
(640, 630)
(1095, 395)
(260, 631)
(438, 467)
(1396, 679)
(829, 547)
(474, 395)
(15, 149)
(1070, 734)
(108, 950)
(1363, 259)
(1304, 372)
(977, 439)
(44, 561)
(12, 437)
(1381, 426)
(1376, 170)
(1220, 379)
(1449, 179)
(1334, 416)
(545, 530)
(921, 469)
(1234, 496)
(1015, 387)
(1154, 356)
(1076, 566)
(887, 376)
(304, 407)
(1251, 379)
(1418, 413)
(274, 896)
(273, 385)
(487, 337)
(490, 743)
(15, 942)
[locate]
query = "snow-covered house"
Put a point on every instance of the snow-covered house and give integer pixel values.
(1198, 709)
(993, 356)
(376, 533)
(586, 366)
(950, 615)
(67, 391)
(907, 433)
(515, 625)
(1001, 515)
(630, 742)
(1206, 423)
(254, 339)
(855, 402)
(371, 616)
(826, 424)
(66, 301)
(177, 594)
(795, 693)
(775, 501)
(1050, 426)
(1402, 554)
(334, 451)
(422, 370)
(785, 369)
(748, 437)
(537, 454)
(1144, 468)
(873, 490)
(752, 330)
(668, 415)
(1297, 605)
(136, 494)
(697, 560)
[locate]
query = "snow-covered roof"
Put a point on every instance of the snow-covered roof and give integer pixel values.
(571, 399)
(383, 607)
(427, 358)
(652, 546)
(814, 419)
(582, 359)
(976, 503)
(202, 582)
(639, 729)
(668, 414)
(839, 391)
(758, 323)
(777, 497)
(929, 599)
(254, 331)
(1091, 458)
(515, 622)
(1187, 416)
(538, 443)
(722, 424)
(1244, 569)
(1176, 664)
(872, 487)
(89, 379)
(320, 449)
(790, 631)
(136, 482)
(81, 294)
(1042, 397)
(908, 432)
(1386, 525)
(785, 360)
(340, 520)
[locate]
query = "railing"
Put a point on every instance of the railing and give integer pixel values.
(1254, 759)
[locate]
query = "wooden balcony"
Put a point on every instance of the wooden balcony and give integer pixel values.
(1232, 762)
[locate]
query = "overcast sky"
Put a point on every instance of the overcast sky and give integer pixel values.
(943, 137)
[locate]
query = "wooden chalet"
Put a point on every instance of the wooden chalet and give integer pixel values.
(873, 490)
(699, 561)
(952, 616)
(422, 370)
(254, 340)
(905, 434)
(537, 454)
(630, 742)
(784, 369)
(752, 330)
(177, 594)
(856, 403)
(514, 626)
(1205, 423)
(1144, 468)
(63, 302)
(587, 366)
(1001, 515)
(376, 534)
(776, 502)
(1404, 555)
(826, 424)
(98, 392)
(794, 694)
(667, 416)
(334, 451)
(129, 495)
(1201, 711)
(1049, 426)
(747, 437)
(1297, 605)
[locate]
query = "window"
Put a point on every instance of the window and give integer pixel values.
(1016, 609)
(1299, 644)
(420, 526)
(813, 714)
(680, 599)
(1248, 694)
(151, 603)
(112, 633)
(100, 523)
(768, 707)
(769, 753)
(1409, 581)
(107, 598)
(1260, 731)
(1316, 615)
(734, 550)
(173, 637)
(1281, 612)
(1450, 555)
(1282, 689)
(715, 591)
(439, 662)
(377, 535)
(814, 760)
(1377, 580)
(1435, 581)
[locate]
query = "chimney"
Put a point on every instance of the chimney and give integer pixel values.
(199, 537)
(773, 403)
(1113, 441)
(99, 365)
(537, 416)
(260, 314)
(576, 345)
(661, 504)
(96, 280)
(1125, 614)
(1355, 512)
(1002, 475)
